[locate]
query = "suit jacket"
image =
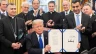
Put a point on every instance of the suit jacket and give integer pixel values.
(63, 14)
(33, 44)
(56, 17)
(2, 16)
(32, 17)
(23, 16)
(7, 35)
(93, 21)
(69, 23)
(93, 24)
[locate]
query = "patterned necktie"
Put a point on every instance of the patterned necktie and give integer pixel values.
(40, 42)
(66, 13)
(77, 20)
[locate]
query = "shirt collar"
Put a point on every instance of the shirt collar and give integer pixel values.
(38, 35)
(11, 17)
(90, 15)
(51, 12)
(78, 14)
(67, 11)
(36, 9)
(2, 11)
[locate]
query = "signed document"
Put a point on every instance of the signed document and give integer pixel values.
(70, 40)
(55, 40)
(63, 40)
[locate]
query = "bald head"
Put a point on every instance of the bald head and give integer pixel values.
(66, 5)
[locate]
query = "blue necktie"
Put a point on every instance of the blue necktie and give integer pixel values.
(77, 20)
(40, 42)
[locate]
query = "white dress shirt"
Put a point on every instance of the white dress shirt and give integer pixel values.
(67, 12)
(90, 15)
(36, 13)
(5, 13)
(42, 37)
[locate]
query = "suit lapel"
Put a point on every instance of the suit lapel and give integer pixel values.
(73, 20)
(35, 39)
(82, 19)
(63, 13)
(70, 11)
(45, 34)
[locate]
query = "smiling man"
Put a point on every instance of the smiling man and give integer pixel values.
(11, 28)
(52, 19)
(80, 21)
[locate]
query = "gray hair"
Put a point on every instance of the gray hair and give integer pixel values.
(87, 4)
(37, 21)
(24, 3)
(66, 1)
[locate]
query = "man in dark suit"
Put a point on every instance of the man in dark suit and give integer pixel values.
(37, 42)
(66, 6)
(80, 21)
(12, 32)
(52, 19)
(88, 10)
(24, 15)
(25, 9)
(35, 13)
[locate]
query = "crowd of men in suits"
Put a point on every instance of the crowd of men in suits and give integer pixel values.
(27, 32)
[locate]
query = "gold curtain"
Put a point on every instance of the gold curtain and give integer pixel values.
(17, 3)
(59, 4)
(61, 7)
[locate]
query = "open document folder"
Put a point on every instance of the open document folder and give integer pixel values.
(65, 40)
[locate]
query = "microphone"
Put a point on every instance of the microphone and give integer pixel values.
(63, 23)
